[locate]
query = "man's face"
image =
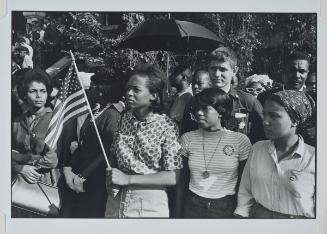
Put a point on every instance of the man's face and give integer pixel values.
(296, 74)
(312, 83)
(177, 82)
(221, 73)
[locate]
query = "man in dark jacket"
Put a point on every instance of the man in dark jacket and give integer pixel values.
(247, 110)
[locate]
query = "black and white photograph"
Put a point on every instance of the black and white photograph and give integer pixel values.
(172, 117)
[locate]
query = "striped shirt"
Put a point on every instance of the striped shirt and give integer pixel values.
(221, 162)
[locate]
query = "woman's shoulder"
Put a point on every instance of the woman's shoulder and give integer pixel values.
(164, 119)
(192, 134)
(309, 150)
(262, 145)
(236, 135)
(19, 118)
(111, 111)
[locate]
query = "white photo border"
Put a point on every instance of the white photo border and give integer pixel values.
(143, 226)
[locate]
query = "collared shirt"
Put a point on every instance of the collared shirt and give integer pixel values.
(148, 146)
(286, 187)
(28, 134)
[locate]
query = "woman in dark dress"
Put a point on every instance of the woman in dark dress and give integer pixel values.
(85, 171)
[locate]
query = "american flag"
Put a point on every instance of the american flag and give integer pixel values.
(71, 103)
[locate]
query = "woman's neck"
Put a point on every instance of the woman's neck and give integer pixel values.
(214, 128)
(284, 146)
(36, 111)
(142, 113)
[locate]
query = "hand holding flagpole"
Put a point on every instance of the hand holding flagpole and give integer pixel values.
(115, 189)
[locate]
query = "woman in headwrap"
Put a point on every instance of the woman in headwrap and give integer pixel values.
(278, 180)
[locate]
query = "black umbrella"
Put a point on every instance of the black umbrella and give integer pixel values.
(170, 35)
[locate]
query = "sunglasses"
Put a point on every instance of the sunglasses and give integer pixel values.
(252, 90)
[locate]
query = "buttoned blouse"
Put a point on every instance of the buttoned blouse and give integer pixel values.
(148, 146)
(28, 133)
(287, 186)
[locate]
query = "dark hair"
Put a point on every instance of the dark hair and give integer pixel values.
(22, 48)
(30, 76)
(35, 35)
(179, 69)
(223, 54)
(155, 83)
(199, 72)
(110, 85)
(297, 55)
(216, 98)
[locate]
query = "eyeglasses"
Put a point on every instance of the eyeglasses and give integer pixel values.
(252, 90)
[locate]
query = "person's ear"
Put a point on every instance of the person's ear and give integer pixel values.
(294, 124)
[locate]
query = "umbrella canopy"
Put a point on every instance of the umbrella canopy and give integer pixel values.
(170, 35)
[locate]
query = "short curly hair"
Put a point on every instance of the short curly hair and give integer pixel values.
(30, 76)
(110, 84)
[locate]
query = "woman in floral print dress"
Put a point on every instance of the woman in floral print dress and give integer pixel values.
(145, 149)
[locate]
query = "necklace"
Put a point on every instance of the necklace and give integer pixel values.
(206, 173)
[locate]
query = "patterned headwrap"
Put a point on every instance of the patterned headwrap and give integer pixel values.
(296, 104)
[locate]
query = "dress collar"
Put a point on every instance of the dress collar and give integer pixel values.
(298, 151)
(120, 106)
(45, 110)
(150, 117)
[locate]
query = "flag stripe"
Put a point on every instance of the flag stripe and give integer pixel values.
(80, 111)
(71, 103)
(54, 121)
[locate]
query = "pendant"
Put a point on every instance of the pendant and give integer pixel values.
(205, 174)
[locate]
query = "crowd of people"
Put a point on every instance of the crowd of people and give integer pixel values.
(218, 152)
(39, 45)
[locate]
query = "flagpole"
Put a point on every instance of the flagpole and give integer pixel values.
(89, 107)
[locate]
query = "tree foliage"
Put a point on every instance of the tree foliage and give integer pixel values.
(261, 41)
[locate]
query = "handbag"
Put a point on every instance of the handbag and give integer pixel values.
(39, 198)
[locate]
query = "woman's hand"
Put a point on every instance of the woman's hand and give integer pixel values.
(73, 146)
(69, 176)
(78, 184)
(116, 176)
(30, 174)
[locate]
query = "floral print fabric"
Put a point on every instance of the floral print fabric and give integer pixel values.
(149, 146)
(296, 104)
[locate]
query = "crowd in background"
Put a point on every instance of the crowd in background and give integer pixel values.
(214, 151)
